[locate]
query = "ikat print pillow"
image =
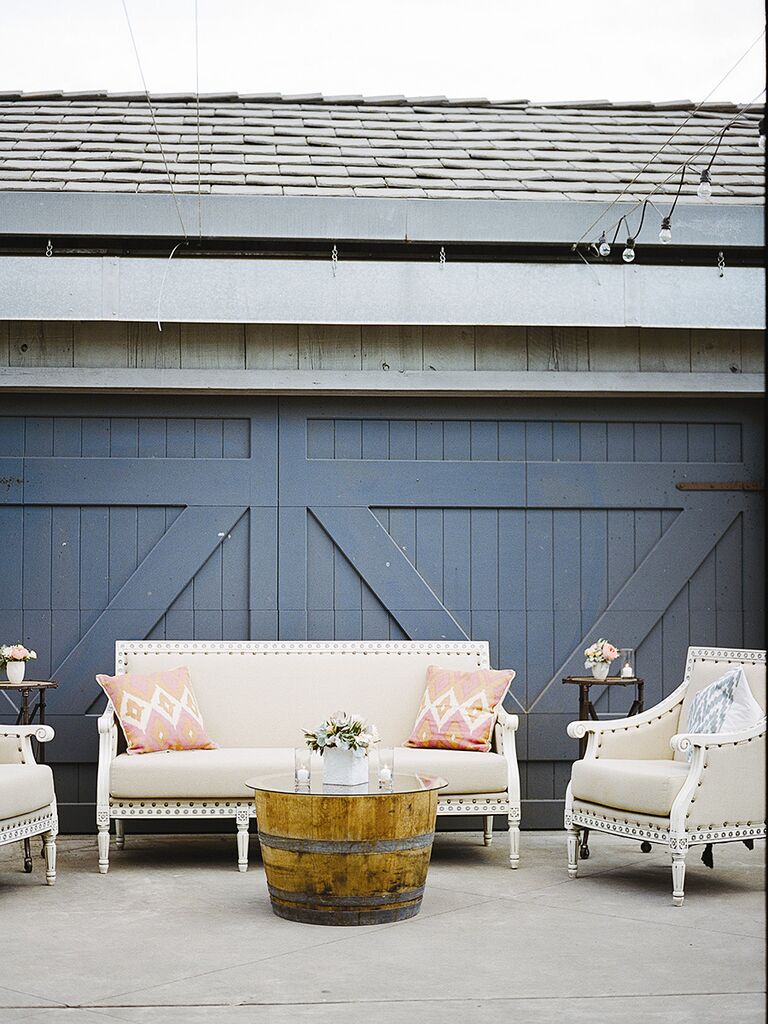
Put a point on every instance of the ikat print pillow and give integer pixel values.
(157, 711)
(727, 705)
(457, 711)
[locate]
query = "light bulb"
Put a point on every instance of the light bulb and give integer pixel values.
(665, 235)
(761, 133)
(704, 191)
(602, 246)
(629, 253)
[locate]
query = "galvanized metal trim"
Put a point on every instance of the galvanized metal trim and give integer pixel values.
(296, 291)
(316, 899)
(360, 383)
(337, 218)
(350, 846)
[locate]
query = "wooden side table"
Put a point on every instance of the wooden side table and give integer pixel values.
(587, 711)
(26, 713)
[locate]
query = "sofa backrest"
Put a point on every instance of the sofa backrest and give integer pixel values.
(263, 693)
(706, 664)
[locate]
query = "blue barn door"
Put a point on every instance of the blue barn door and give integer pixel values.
(536, 525)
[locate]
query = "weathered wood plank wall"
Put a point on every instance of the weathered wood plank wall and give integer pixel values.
(332, 347)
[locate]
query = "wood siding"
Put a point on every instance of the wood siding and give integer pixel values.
(323, 347)
(533, 524)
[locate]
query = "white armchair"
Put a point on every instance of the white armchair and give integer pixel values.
(636, 780)
(27, 799)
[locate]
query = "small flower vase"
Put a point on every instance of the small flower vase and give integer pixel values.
(601, 669)
(15, 670)
(343, 768)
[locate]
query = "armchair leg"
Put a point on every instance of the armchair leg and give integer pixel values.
(514, 844)
(49, 848)
(242, 843)
(487, 830)
(678, 879)
(119, 833)
(104, 848)
(572, 834)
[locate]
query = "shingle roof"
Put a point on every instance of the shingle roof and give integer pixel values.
(425, 147)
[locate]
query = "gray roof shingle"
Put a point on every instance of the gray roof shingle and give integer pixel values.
(388, 146)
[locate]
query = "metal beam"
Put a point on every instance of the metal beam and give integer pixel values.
(337, 218)
(309, 291)
(408, 383)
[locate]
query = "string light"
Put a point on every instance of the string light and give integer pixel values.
(629, 253)
(603, 245)
(704, 191)
(665, 235)
(761, 133)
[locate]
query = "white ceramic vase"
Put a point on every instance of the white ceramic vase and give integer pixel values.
(15, 671)
(601, 670)
(342, 768)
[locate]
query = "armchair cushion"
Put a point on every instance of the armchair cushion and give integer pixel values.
(643, 787)
(24, 788)
(725, 706)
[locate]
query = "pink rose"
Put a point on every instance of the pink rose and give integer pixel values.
(609, 652)
(18, 653)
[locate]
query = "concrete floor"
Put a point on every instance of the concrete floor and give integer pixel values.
(173, 933)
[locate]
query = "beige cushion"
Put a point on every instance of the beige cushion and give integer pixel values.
(24, 788)
(465, 771)
(210, 774)
(264, 699)
(611, 814)
(645, 787)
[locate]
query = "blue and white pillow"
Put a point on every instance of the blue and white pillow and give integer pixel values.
(725, 706)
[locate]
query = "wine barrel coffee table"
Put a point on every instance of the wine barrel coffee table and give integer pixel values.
(346, 856)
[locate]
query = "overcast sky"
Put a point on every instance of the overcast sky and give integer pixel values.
(501, 49)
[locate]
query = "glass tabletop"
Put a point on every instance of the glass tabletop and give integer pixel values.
(285, 783)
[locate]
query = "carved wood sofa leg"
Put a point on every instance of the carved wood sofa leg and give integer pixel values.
(119, 833)
(573, 851)
(678, 879)
(487, 830)
(104, 848)
(514, 843)
(49, 848)
(242, 843)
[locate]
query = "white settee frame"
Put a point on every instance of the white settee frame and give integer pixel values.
(674, 832)
(110, 808)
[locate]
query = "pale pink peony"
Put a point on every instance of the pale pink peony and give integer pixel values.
(609, 652)
(19, 653)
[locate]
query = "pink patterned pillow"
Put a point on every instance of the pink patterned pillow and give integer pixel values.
(157, 711)
(458, 708)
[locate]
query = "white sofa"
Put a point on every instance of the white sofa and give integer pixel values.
(256, 697)
(27, 799)
(636, 780)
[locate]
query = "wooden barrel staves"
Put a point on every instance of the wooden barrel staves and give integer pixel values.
(346, 860)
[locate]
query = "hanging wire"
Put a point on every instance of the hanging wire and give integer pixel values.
(671, 138)
(154, 121)
(197, 98)
(680, 167)
(162, 283)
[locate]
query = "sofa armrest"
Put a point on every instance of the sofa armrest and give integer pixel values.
(726, 784)
(504, 740)
(24, 734)
(644, 736)
(107, 750)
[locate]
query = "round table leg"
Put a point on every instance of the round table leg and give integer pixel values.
(27, 857)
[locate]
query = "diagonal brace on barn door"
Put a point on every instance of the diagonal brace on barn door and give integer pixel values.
(142, 601)
(652, 587)
(391, 576)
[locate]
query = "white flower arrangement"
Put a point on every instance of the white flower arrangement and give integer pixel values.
(15, 652)
(601, 652)
(344, 732)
